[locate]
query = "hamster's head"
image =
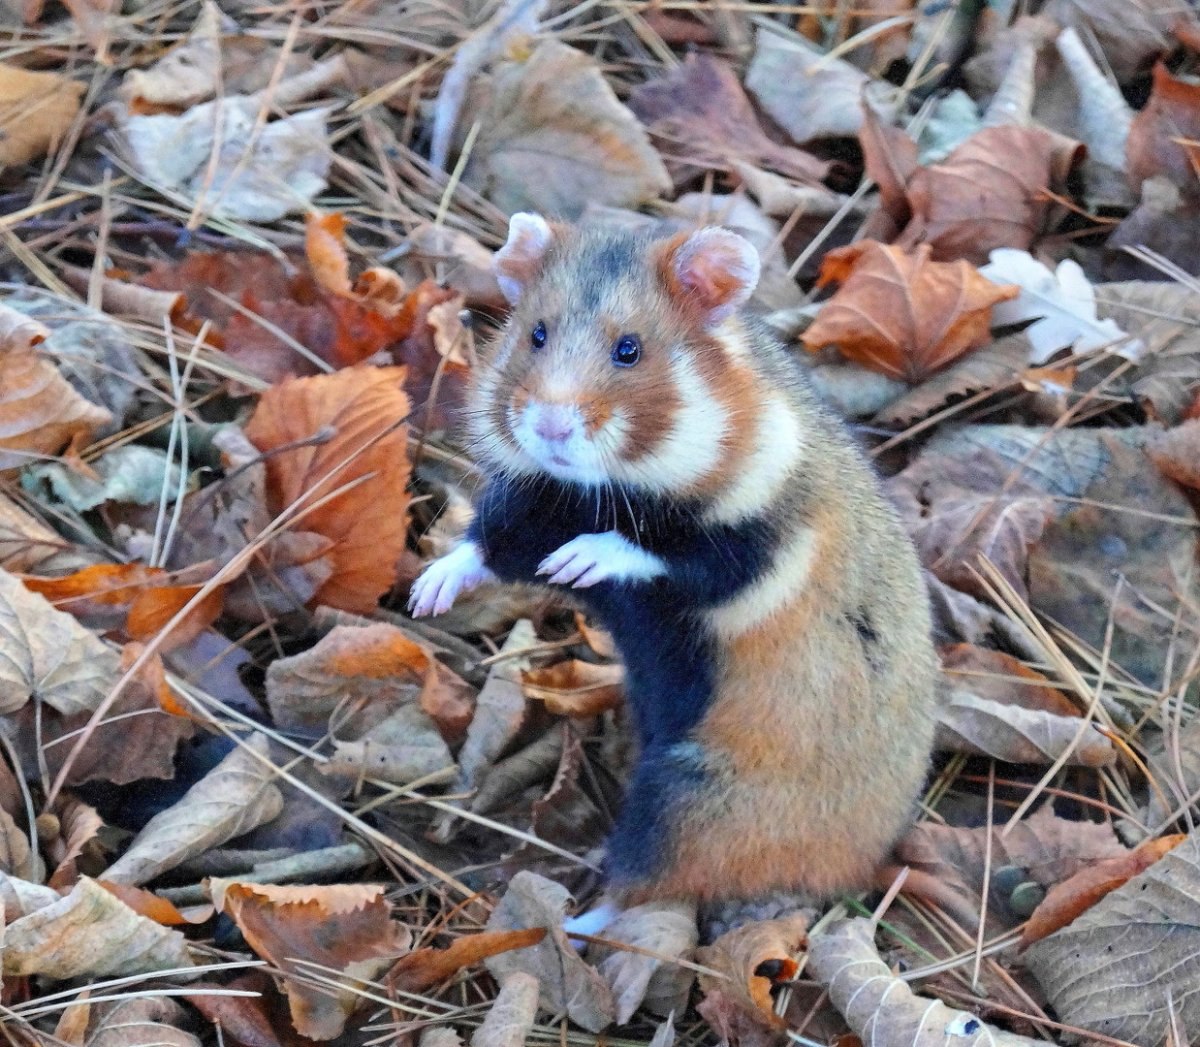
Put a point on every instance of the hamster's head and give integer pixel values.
(619, 362)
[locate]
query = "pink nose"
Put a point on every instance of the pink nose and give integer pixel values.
(555, 423)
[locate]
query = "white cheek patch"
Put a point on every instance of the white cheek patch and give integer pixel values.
(768, 596)
(693, 447)
(778, 448)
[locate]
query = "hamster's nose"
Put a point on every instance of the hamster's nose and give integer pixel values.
(555, 423)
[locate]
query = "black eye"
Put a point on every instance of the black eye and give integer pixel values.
(537, 337)
(627, 351)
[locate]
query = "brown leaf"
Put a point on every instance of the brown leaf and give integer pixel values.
(992, 191)
(576, 688)
(665, 931)
(424, 968)
(753, 958)
(403, 747)
(36, 110)
(554, 138)
(1046, 847)
(566, 982)
(1066, 901)
(703, 118)
(1162, 138)
(1000, 677)
(346, 927)
(80, 827)
(245, 1020)
(147, 1021)
(903, 315)
(40, 412)
(365, 408)
(1130, 35)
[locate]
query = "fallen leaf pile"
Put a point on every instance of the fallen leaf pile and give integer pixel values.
(245, 280)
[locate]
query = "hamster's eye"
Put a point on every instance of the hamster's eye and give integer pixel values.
(537, 337)
(627, 351)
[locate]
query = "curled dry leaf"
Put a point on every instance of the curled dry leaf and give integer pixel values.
(554, 138)
(465, 262)
(152, 906)
(365, 409)
(512, 1014)
(145, 1021)
(1002, 678)
(567, 984)
(234, 797)
(1162, 139)
(576, 688)
(79, 829)
(499, 714)
(969, 723)
(1067, 900)
(880, 1007)
(1047, 848)
(17, 858)
(36, 111)
(424, 968)
(702, 117)
(903, 314)
(345, 927)
(89, 933)
(752, 959)
(664, 932)
(40, 412)
(1129, 966)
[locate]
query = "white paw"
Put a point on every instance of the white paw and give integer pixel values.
(593, 558)
(447, 578)
(591, 922)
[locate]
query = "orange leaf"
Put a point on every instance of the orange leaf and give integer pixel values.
(1071, 898)
(148, 904)
(903, 314)
(110, 584)
(423, 968)
(359, 476)
(1163, 135)
(153, 608)
(325, 248)
(576, 688)
(754, 957)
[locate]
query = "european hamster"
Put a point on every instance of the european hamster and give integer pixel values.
(651, 447)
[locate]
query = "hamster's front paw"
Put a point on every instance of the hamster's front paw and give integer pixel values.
(448, 577)
(590, 923)
(593, 558)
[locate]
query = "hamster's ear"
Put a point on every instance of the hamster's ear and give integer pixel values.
(518, 261)
(713, 270)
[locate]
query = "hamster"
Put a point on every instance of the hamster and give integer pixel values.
(651, 448)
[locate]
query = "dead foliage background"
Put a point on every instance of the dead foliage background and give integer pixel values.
(245, 247)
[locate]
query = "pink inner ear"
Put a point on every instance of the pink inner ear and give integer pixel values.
(716, 269)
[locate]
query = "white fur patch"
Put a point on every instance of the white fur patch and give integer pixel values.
(447, 578)
(693, 447)
(778, 445)
(529, 238)
(591, 558)
(771, 593)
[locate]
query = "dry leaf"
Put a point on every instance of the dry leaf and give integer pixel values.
(576, 688)
(36, 110)
(234, 797)
(424, 968)
(1000, 677)
(365, 408)
(805, 90)
(1129, 966)
(968, 723)
(140, 1022)
(40, 412)
(1129, 33)
(567, 984)
(1066, 901)
(753, 958)
(903, 315)
(80, 827)
(89, 933)
(1162, 139)
(703, 119)
(465, 262)
(404, 747)
(1047, 848)
(17, 858)
(553, 138)
(346, 927)
(512, 1014)
(880, 1007)
(47, 654)
(991, 192)
(668, 930)
(248, 1021)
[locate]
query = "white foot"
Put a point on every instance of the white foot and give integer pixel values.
(448, 577)
(593, 558)
(591, 922)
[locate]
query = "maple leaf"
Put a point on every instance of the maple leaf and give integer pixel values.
(903, 314)
(364, 408)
